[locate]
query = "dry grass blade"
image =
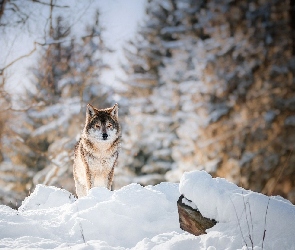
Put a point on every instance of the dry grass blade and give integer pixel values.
(239, 223)
(264, 232)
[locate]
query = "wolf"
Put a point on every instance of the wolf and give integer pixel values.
(96, 153)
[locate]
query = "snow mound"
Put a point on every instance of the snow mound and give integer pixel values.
(50, 217)
(137, 217)
(244, 216)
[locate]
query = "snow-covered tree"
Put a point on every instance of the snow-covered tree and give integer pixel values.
(4, 98)
(9, 174)
(151, 122)
(222, 94)
(66, 79)
(233, 119)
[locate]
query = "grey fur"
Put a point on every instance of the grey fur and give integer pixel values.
(97, 151)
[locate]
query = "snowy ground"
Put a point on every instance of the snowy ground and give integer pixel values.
(137, 217)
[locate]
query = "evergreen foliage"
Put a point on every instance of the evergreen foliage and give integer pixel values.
(209, 85)
(66, 79)
(222, 95)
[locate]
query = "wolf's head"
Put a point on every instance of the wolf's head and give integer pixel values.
(102, 124)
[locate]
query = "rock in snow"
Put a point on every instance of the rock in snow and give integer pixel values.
(137, 217)
(190, 218)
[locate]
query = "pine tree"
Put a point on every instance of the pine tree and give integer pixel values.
(151, 120)
(67, 78)
(239, 116)
(224, 83)
(9, 174)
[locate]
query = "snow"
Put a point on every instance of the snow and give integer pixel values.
(189, 203)
(241, 213)
(136, 217)
(50, 217)
(63, 111)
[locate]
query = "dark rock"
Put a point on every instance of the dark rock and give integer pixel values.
(191, 220)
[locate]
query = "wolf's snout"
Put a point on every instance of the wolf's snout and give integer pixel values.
(104, 136)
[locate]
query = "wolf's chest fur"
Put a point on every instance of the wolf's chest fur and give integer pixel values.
(96, 153)
(94, 165)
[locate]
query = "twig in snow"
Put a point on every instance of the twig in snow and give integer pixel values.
(80, 225)
(245, 208)
(239, 223)
(251, 223)
(264, 232)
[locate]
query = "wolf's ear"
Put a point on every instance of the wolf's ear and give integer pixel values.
(90, 110)
(114, 111)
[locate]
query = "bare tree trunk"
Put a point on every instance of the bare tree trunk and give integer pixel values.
(292, 24)
(2, 6)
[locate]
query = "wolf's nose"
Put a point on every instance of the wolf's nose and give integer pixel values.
(104, 136)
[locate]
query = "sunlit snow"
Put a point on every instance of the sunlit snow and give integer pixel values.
(137, 217)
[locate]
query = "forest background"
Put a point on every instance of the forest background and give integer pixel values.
(200, 85)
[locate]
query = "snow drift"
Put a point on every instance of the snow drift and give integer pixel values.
(245, 218)
(137, 217)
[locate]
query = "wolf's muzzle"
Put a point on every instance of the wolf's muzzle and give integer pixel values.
(104, 136)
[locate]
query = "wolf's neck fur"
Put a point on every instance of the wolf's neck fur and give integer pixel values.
(100, 149)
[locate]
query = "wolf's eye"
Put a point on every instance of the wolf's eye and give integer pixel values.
(110, 126)
(97, 126)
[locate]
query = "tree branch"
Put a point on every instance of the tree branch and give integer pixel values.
(19, 58)
(48, 4)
